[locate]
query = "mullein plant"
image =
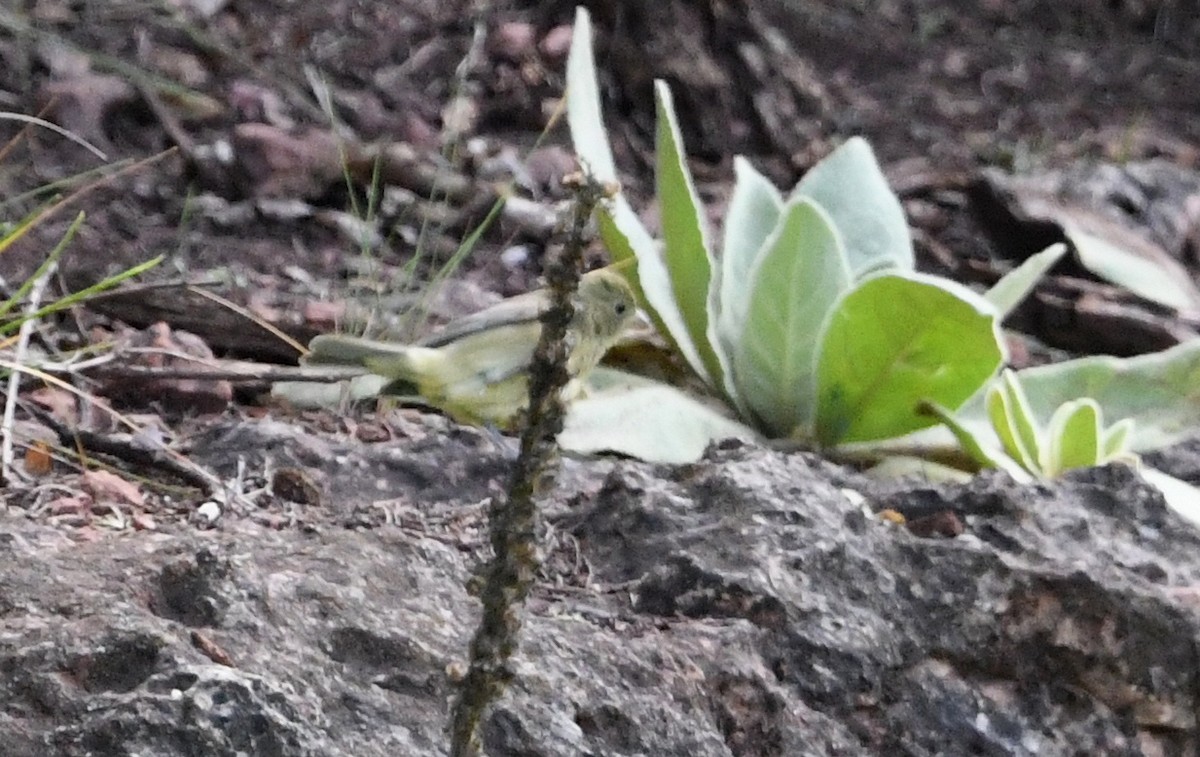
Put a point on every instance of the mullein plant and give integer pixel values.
(810, 323)
(1075, 436)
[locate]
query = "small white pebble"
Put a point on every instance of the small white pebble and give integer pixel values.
(222, 150)
(515, 256)
(209, 511)
(855, 497)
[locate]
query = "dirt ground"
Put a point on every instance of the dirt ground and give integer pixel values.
(938, 90)
(278, 114)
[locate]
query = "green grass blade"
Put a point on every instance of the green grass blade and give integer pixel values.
(7, 306)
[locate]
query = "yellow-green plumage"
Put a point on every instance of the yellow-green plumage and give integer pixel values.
(476, 368)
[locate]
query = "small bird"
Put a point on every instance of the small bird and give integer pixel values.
(476, 369)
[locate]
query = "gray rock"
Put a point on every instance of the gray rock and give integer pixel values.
(746, 605)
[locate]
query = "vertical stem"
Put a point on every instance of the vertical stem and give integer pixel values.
(513, 519)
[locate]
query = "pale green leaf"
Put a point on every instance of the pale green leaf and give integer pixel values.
(1180, 496)
(975, 447)
(649, 278)
(905, 466)
(621, 248)
(1023, 420)
(584, 118)
(792, 287)
(1159, 280)
(1116, 438)
(620, 228)
(850, 186)
(895, 341)
(648, 420)
(1159, 392)
(311, 394)
(754, 210)
(1010, 290)
(1000, 413)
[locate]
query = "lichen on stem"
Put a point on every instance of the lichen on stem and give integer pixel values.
(514, 518)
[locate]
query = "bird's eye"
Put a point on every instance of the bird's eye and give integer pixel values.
(621, 308)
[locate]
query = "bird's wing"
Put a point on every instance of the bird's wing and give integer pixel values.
(490, 356)
(523, 308)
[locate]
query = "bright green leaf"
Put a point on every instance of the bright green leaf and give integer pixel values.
(688, 253)
(620, 228)
(1000, 413)
(850, 186)
(1023, 420)
(895, 341)
(1073, 437)
(791, 289)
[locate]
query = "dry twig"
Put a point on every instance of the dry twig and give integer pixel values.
(513, 519)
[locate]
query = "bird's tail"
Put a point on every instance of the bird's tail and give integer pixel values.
(338, 349)
(414, 370)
